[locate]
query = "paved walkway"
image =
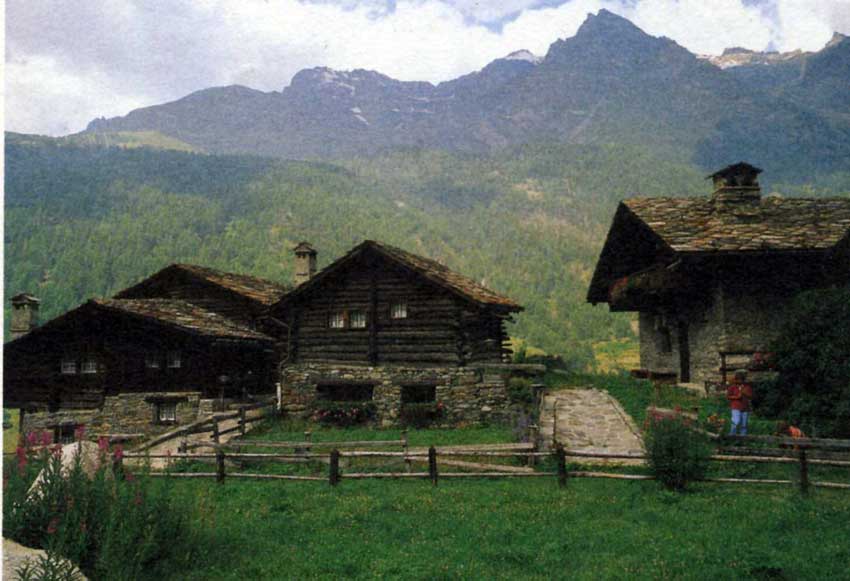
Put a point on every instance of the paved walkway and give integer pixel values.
(16, 556)
(588, 420)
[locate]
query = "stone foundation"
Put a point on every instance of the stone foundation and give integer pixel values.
(127, 413)
(469, 395)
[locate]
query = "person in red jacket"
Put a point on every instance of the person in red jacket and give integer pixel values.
(740, 396)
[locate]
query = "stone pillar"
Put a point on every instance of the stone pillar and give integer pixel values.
(24, 315)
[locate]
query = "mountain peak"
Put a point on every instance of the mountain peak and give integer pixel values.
(607, 23)
(523, 55)
(837, 38)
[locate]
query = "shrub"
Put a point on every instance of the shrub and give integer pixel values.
(421, 415)
(812, 356)
(520, 391)
(676, 454)
(112, 528)
(343, 414)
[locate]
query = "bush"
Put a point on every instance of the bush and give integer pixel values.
(343, 414)
(421, 415)
(676, 453)
(812, 356)
(520, 391)
(112, 528)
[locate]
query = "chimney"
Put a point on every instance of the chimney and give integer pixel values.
(24, 315)
(305, 262)
(736, 186)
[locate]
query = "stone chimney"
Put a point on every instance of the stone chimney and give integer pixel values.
(305, 262)
(24, 315)
(736, 186)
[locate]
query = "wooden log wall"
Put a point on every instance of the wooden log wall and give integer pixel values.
(440, 329)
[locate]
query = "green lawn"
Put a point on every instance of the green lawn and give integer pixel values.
(593, 529)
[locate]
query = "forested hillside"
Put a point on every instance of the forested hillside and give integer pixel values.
(88, 220)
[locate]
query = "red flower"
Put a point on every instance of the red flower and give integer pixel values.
(46, 438)
(80, 433)
(32, 439)
(103, 444)
(138, 499)
(21, 455)
(118, 453)
(128, 476)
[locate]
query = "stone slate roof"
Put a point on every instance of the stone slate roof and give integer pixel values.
(182, 315)
(263, 291)
(773, 224)
(259, 289)
(429, 269)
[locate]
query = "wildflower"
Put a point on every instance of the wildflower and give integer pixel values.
(46, 438)
(21, 455)
(57, 451)
(103, 444)
(138, 499)
(118, 453)
(32, 439)
(128, 476)
(80, 433)
(52, 525)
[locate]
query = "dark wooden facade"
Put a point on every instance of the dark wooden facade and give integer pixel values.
(115, 352)
(444, 323)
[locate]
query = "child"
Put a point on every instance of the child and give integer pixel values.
(739, 394)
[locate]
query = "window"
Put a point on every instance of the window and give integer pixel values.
(89, 365)
(418, 394)
(152, 360)
(69, 366)
(358, 319)
(64, 434)
(345, 392)
(337, 320)
(398, 310)
(167, 411)
(174, 361)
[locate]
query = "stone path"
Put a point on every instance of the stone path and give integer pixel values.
(588, 420)
(172, 445)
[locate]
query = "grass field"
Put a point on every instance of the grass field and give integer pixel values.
(515, 529)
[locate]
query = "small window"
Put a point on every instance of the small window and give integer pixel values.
(89, 365)
(64, 434)
(152, 360)
(174, 361)
(345, 392)
(358, 319)
(418, 394)
(69, 366)
(337, 320)
(398, 310)
(167, 412)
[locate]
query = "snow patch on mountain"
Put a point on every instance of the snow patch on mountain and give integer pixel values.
(523, 55)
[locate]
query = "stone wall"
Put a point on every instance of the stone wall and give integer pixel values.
(654, 355)
(126, 413)
(469, 395)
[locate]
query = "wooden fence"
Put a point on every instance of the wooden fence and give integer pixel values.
(797, 453)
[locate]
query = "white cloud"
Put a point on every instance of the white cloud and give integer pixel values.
(68, 62)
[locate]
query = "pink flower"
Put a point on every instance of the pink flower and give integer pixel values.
(46, 438)
(51, 527)
(57, 451)
(103, 444)
(21, 455)
(118, 453)
(32, 439)
(80, 433)
(128, 476)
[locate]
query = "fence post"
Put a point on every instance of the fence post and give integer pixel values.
(562, 465)
(242, 421)
(432, 464)
(333, 473)
(405, 447)
(533, 433)
(804, 472)
(215, 435)
(219, 462)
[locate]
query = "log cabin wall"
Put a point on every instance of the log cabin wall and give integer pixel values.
(430, 326)
(118, 370)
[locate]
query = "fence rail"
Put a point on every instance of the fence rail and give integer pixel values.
(232, 451)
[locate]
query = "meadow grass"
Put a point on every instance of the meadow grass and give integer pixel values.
(511, 529)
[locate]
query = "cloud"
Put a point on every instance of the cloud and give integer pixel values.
(68, 62)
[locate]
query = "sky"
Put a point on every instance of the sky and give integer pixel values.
(69, 62)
